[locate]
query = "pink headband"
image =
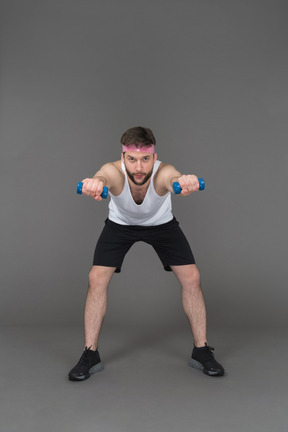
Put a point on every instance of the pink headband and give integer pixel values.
(132, 147)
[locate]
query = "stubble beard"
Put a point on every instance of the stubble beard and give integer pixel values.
(146, 178)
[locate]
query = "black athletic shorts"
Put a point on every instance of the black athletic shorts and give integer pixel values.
(167, 239)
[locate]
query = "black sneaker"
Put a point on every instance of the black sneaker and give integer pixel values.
(88, 364)
(202, 358)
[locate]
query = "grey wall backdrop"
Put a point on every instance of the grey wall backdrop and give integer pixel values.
(210, 78)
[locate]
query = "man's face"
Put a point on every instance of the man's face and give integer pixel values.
(139, 166)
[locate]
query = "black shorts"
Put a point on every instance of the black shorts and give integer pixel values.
(167, 239)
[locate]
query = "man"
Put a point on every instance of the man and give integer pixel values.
(140, 189)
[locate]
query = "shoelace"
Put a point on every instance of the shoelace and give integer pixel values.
(209, 350)
(84, 358)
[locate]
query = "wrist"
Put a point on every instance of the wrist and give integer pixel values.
(102, 179)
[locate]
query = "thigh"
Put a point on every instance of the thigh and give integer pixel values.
(172, 246)
(112, 246)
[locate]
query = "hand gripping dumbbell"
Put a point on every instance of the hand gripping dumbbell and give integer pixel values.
(177, 188)
(103, 195)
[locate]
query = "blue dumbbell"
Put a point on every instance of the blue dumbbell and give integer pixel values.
(103, 195)
(177, 188)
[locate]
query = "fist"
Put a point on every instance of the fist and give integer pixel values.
(189, 184)
(93, 187)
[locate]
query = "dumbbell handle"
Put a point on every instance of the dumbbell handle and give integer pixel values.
(177, 188)
(103, 195)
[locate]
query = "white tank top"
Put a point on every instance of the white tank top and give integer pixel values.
(154, 210)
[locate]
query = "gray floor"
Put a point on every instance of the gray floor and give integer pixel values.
(146, 384)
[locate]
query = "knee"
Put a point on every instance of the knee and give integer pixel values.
(192, 280)
(195, 278)
(97, 278)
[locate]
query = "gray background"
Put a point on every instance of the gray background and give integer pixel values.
(209, 78)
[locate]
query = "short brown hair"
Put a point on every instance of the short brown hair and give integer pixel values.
(139, 136)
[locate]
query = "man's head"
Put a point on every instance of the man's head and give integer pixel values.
(138, 137)
(138, 154)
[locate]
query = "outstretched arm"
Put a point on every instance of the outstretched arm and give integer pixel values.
(168, 175)
(108, 175)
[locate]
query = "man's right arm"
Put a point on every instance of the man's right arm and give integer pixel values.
(108, 175)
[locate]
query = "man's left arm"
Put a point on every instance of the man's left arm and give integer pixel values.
(189, 183)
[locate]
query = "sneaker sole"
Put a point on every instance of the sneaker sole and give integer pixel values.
(97, 368)
(197, 365)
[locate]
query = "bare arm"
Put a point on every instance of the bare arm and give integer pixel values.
(168, 175)
(108, 175)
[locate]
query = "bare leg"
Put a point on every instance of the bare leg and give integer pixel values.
(193, 301)
(96, 303)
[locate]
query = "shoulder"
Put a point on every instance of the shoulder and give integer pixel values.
(112, 168)
(165, 171)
